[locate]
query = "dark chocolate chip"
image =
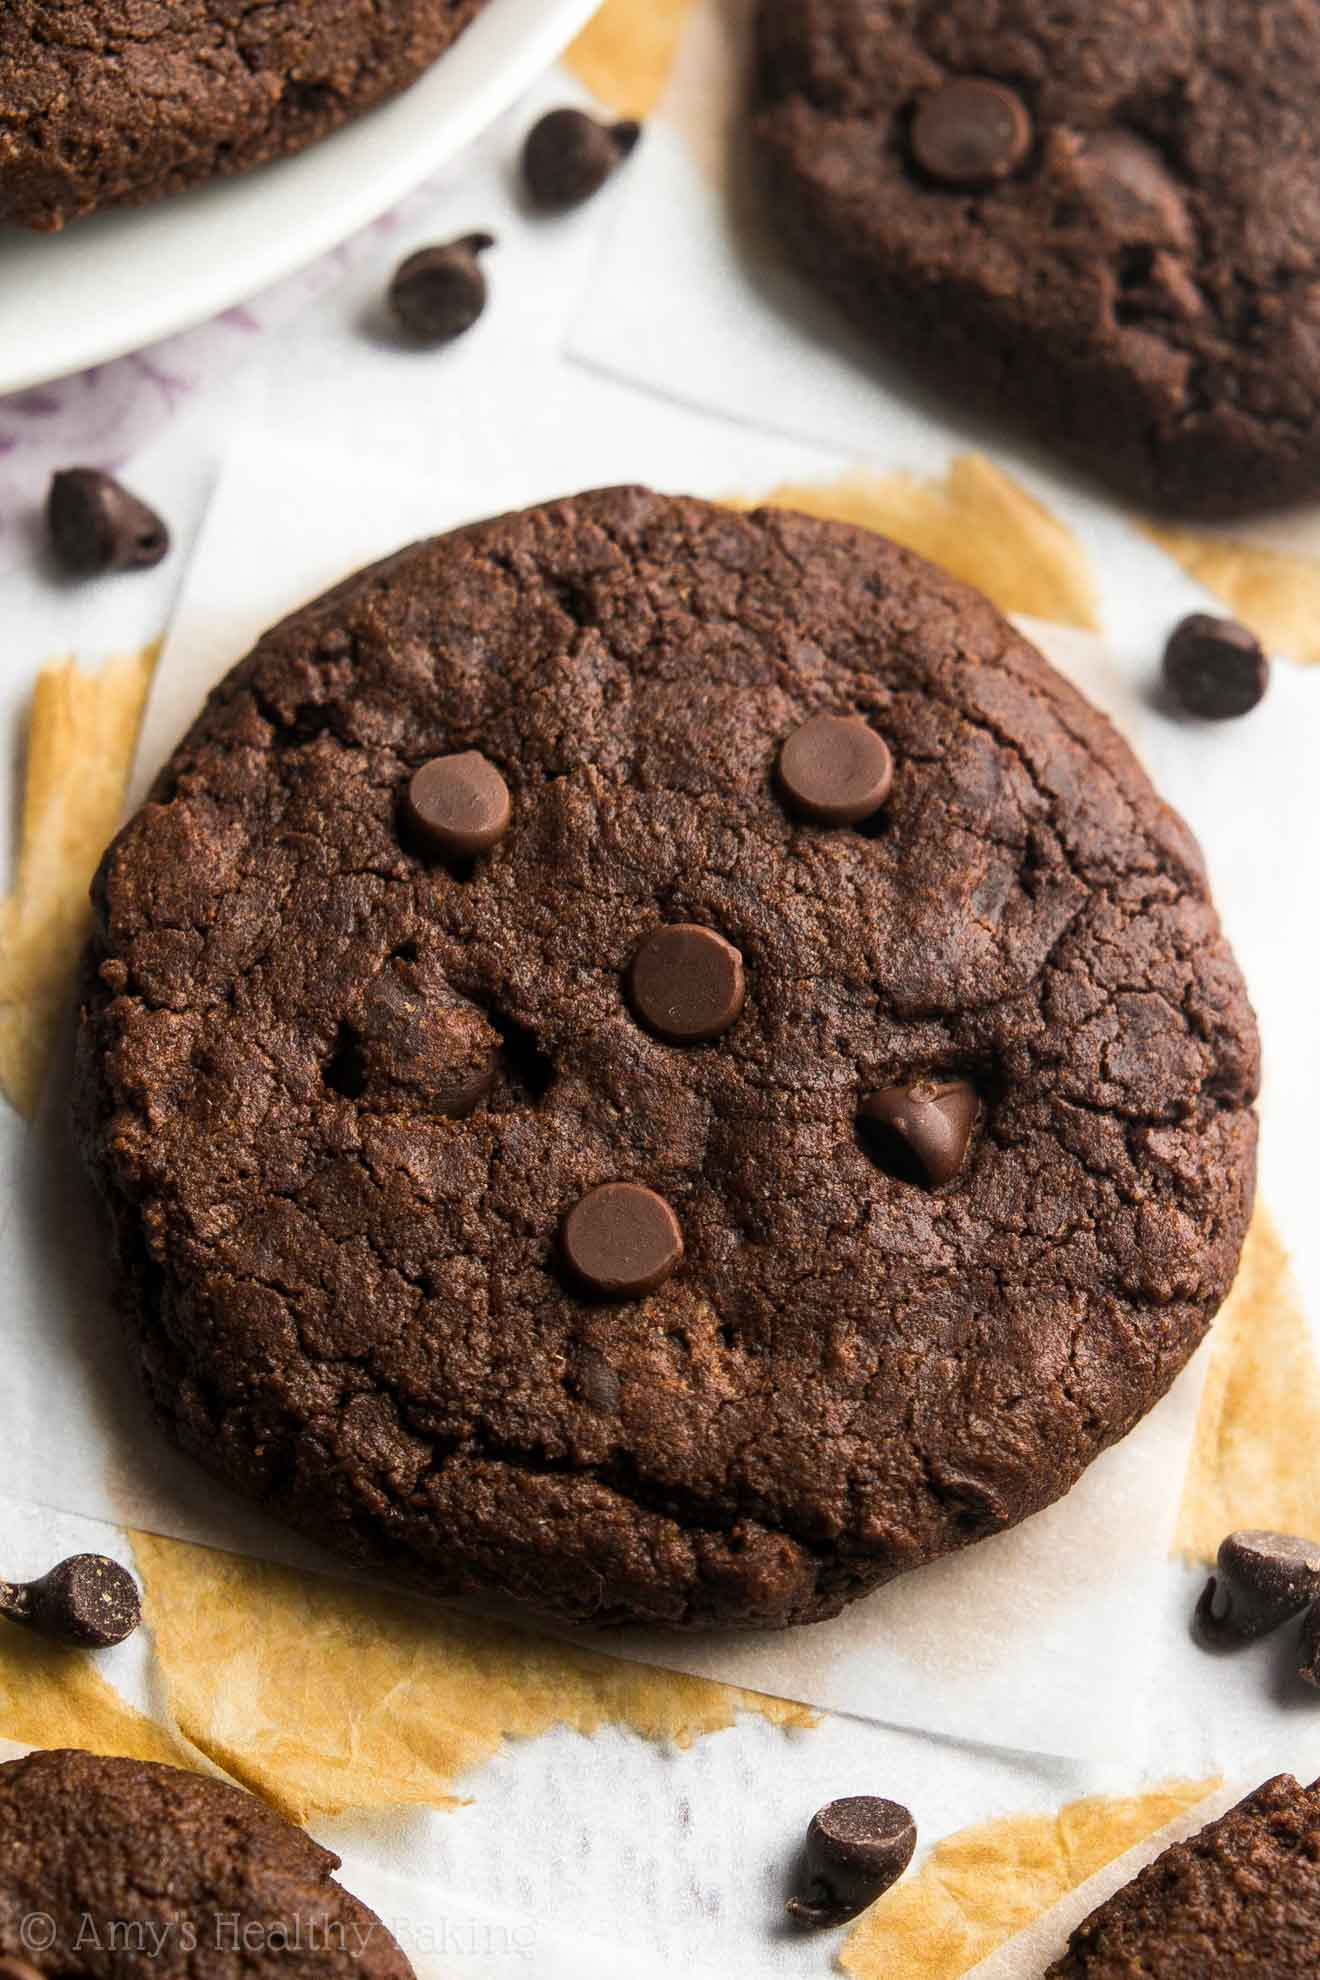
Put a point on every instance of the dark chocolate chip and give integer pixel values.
(971, 132)
(96, 525)
(856, 1848)
(568, 156)
(89, 1601)
(1127, 187)
(1261, 1580)
(439, 292)
(687, 983)
(836, 770)
(622, 1240)
(921, 1132)
(458, 806)
(1309, 1668)
(1215, 668)
(595, 1380)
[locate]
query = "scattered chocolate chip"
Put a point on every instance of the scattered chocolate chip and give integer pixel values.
(1215, 668)
(568, 156)
(1127, 187)
(836, 770)
(1309, 1668)
(458, 806)
(922, 1129)
(971, 132)
(1261, 1580)
(687, 983)
(96, 525)
(89, 1601)
(856, 1848)
(439, 292)
(622, 1240)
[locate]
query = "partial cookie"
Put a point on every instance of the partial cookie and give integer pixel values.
(119, 102)
(119, 1866)
(662, 1063)
(1241, 1899)
(1102, 218)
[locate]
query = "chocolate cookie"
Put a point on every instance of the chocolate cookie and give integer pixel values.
(118, 1867)
(1102, 217)
(1242, 1898)
(661, 1062)
(119, 102)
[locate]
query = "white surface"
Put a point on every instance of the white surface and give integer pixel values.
(123, 279)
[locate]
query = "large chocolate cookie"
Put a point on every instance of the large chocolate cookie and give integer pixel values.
(117, 102)
(118, 1867)
(1103, 215)
(1240, 1899)
(350, 1081)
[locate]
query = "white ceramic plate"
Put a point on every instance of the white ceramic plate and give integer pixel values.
(113, 283)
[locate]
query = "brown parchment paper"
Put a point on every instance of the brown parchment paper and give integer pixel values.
(624, 55)
(324, 1695)
(980, 1886)
(80, 748)
(1274, 592)
(1256, 1454)
(977, 523)
(55, 1697)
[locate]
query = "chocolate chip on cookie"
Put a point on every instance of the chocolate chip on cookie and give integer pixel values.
(622, 1241)
(459, 806)
(856, 1849)
(922, 1131)
(1215, 668)
(971, 132)
(836, 770)
(88, 1600)
(96, 525)
(687, 984)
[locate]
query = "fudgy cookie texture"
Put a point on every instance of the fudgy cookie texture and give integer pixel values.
(343, 1092)
(139, 1869)
(119, 102)
(1119, 241)
(1240, 1899)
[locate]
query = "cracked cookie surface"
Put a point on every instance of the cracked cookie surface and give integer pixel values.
(353, 1303)
(1133, 271)
(120, 102)
(140, 1868)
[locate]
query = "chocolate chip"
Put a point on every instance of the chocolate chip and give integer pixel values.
(1215, 668)
(920, 1132)
(89, 1601)
(568, 156)
(96, 525)
(1128, 188)
(622, 1240)
(687, 983)
(595, 1380)
(971, 132)
(836, 770)
(439, 292)
(458, 806)
(856, 1848)
(1262, 1579)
